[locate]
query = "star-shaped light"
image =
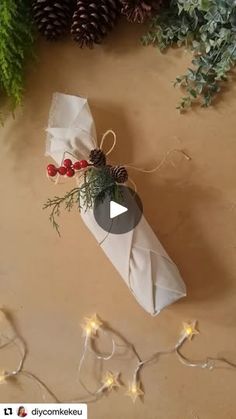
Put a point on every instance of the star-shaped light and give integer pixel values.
(91, 325)
(134, 391)
(111, 380)
(190, 329)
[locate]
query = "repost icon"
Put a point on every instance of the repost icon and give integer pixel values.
(8, 411)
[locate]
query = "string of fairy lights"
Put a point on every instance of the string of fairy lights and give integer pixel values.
(93, 329)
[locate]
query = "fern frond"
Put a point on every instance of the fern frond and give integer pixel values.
(16, 41)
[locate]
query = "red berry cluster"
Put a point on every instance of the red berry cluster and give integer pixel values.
(67, 169)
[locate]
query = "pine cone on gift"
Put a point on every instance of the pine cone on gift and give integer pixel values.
(97, 157)
(93, 19)
(119, 174)
(53, 17)
(139, 10)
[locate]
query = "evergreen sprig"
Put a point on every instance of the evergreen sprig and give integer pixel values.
(208, 27)
(16, 40)
(96, 183)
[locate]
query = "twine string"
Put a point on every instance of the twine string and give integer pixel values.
(162, 162)
(105, 135)
(130, 166)
(56, 180)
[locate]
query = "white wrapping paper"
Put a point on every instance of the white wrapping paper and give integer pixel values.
(138, 255)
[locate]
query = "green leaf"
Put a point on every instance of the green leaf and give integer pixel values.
(204, 5)
(193, 93)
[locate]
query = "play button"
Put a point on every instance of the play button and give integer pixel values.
(118, 210)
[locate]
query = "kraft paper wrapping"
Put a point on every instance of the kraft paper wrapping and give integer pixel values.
(139, 257)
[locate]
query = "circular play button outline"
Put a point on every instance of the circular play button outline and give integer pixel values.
(119, 210)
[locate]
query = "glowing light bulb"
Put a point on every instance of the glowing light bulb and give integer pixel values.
(134, 391)
(111, 380)
(190, 329)
(91, 325)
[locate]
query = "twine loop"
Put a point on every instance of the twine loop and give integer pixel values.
(105, 135)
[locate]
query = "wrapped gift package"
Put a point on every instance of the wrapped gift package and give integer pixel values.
(148, 271)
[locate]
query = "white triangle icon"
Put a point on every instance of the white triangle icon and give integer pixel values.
(116, 209)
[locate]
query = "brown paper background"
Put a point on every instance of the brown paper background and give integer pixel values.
(49, 284)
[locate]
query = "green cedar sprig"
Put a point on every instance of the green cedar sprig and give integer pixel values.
(16, 40)
(96, 182)
(208, 27)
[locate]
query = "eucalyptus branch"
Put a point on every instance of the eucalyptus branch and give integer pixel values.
(209, 28)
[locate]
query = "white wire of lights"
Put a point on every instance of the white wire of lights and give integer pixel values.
(93, 327)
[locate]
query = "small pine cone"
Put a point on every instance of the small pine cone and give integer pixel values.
(139, 10)
(52, 17)
(93, 19)
(119, 174)
(97, 157)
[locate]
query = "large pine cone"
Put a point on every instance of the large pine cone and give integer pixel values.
(53, 17)
(92, 20)
(139, 10)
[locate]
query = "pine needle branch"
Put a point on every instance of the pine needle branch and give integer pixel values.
(16, 42)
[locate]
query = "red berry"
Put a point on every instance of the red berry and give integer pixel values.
(62, 170)
(83, 164)
(70, 172)
(76, 165)
(67, 163)
(52, 170)
(51, 165)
